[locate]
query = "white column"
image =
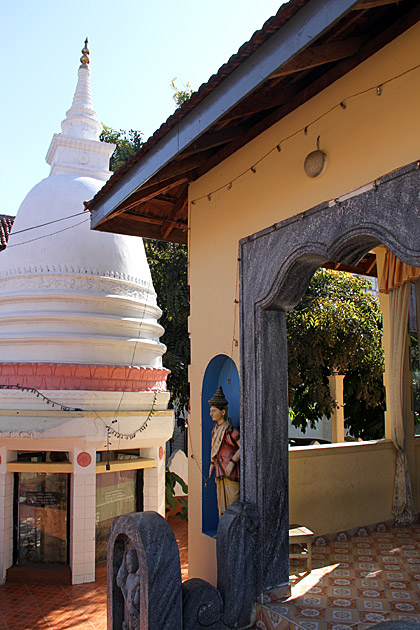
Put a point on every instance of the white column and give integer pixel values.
(6, 513)
(154, 480)
(82, 511)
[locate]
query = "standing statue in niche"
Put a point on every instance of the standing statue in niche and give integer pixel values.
(129, 583)
(225, 452)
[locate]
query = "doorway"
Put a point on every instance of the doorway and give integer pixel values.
(41, 518)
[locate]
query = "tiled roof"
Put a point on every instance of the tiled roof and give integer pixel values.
(6, 222)
(273, 24)
(148, 196)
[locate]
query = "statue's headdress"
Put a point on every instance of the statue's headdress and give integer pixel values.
(218, 399)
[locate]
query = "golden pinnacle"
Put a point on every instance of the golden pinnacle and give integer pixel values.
(84, 59)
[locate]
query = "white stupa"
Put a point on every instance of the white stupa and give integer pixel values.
(81, 376)
(68, 294)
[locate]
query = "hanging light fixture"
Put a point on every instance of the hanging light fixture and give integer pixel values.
(315, 162)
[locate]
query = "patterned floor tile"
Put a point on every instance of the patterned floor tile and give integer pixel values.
(405, 617)
(342, 615)
(371, 593)
(269, 620)
(306, 624)
(405, 607)
(342, 591)
(373, 605)
(377, 583)
(373, 617)
(341, 626)
(401, 595)
(310, 600)
(309, 613)
(341, 581)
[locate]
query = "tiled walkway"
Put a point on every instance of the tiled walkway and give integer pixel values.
(356, 582)
(81, 607)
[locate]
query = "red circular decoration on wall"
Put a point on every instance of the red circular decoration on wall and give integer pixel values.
(161, 452)
(84, 459)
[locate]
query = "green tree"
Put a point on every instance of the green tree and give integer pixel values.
(337, 326)
(127, 143)
(181, 96)
(168, 267)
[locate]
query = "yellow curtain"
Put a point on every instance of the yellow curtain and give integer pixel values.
(395, 279)
(402, 507)
(395, 273)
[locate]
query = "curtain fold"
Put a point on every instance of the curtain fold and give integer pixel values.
(395, 273)
(417, 294)
(402, 507)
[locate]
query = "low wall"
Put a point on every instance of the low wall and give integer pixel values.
(340, 486)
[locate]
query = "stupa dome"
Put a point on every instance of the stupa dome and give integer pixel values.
(68, 294)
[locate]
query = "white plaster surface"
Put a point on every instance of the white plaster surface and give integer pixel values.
(6, 515)
(178, 463)
(154, 481)
(68, 294)
(71, 295)
(82, 523)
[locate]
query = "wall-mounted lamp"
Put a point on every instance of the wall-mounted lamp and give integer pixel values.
(315, 162)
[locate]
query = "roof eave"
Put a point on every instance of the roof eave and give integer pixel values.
(293, 37)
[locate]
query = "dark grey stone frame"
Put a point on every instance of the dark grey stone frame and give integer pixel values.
(276, 266)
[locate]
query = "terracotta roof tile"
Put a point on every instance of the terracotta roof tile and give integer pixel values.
(6, 222)
(273, 24)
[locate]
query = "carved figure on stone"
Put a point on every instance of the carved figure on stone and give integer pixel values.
(225, 452)
(128, 581)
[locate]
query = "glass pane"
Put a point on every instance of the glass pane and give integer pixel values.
(42, 518)
(116, 494)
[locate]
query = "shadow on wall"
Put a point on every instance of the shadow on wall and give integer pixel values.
(221, 370)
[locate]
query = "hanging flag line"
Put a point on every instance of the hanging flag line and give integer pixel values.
(111, 432)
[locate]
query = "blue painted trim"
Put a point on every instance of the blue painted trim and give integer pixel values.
(219, 371)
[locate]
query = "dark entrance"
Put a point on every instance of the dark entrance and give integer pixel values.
(42, 518)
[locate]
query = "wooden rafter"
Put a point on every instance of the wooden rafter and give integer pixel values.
(148, 192)
(177, 210)
(212, 140)
(259, 103)
(305, 94)
(372, 4)
(144, 218)
(320, 55)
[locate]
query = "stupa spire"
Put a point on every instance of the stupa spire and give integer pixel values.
(77, 148)
(81, 119)
(84, 59)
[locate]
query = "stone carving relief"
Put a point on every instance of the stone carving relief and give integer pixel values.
(77, 282)
(128, 581)
(75, 269)
(20, 434)
(144, 575)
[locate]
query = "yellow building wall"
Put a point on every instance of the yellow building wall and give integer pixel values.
(372, 136)
(340, 487)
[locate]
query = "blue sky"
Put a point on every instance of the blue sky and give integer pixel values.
(137, 48)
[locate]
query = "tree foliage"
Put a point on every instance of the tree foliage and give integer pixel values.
(127, 143)
(168, 266)
(337, 326)
(180, 96)
(171, 501)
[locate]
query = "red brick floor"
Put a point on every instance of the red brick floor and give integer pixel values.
(78, 607)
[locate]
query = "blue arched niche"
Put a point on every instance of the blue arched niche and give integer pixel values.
(220, 371)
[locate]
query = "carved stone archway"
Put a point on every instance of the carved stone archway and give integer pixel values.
(276, 266)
